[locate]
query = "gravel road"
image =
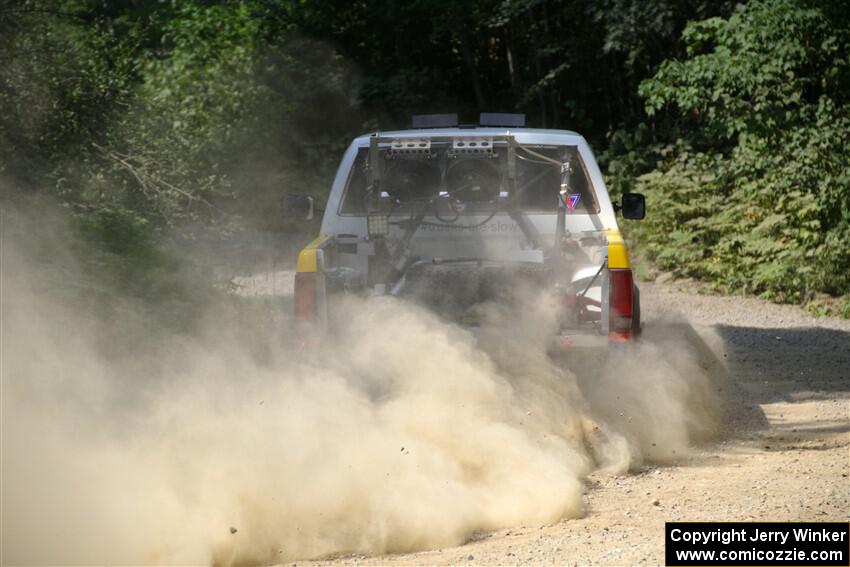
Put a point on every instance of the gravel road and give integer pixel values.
(783, 454)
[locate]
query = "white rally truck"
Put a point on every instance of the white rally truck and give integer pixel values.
(460, 217)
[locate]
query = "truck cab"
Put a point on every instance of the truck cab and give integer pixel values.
(472, 222)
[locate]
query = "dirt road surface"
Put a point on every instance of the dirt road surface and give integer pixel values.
(783, 453)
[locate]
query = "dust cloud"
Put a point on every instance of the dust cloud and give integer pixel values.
(125, 443)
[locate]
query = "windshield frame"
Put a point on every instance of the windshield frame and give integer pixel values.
(444, 145)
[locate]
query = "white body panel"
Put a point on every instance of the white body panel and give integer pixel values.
(500, 239)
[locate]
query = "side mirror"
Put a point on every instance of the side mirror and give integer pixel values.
(298, 207)
(633, 206)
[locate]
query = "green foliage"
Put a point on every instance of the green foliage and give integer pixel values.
(770, 213)
(60, 77)
(193, 112)
(172, 148)
(755, 73)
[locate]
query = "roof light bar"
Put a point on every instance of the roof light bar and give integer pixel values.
(434, 120)
(501, 119)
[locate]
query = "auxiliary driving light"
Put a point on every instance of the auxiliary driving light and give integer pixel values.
(378, 225)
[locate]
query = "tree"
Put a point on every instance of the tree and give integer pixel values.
(764, 125)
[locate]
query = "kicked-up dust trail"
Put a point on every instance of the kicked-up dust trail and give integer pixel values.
(124, 444)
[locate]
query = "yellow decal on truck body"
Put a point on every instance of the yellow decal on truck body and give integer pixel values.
(618, 256)
(308, 257)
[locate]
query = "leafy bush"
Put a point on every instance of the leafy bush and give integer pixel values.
(758, 197)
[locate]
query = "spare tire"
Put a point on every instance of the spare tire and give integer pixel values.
(412, 180)
(473, 180)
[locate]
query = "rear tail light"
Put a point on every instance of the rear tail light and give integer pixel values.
(621, 304)
(306, 296)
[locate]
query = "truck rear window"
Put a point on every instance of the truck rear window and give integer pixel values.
(472, 182)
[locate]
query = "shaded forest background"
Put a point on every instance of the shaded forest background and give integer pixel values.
(156, 122)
